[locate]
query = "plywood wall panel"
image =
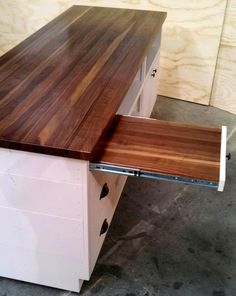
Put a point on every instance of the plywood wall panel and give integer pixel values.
(224, 87)
(191, 37)
(189, 49)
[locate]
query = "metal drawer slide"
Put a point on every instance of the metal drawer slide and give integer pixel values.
(157, 176)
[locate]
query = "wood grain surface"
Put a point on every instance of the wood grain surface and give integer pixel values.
(162, 147)
(190, 39)
(224, 87)
(60, 88)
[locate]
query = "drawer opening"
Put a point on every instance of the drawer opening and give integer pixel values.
(163, 150)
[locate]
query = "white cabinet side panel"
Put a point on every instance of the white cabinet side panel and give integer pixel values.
(41, 166)
(41, 249)
(41, 196)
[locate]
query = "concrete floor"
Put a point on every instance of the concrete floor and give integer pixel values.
(166, 239)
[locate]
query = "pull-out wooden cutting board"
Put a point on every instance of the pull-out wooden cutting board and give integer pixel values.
(163, 150)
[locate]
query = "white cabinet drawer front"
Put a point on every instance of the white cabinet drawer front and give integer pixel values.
(154, 49)
(129, 100)
(149, 94)
(136, 110)
(41, 249)
(102, 209)
(141, 96)
(41, 166)
(42, 196)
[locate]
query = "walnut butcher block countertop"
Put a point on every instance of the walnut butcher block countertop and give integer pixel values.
(61, 87)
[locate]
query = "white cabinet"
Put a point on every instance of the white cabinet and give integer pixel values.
(54, 212)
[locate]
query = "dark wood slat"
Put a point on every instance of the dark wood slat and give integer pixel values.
(162, 147)
(61, 87)
(45, 93)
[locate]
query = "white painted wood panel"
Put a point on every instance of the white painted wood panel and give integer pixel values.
(149, 94)
(41, 196)
(41, 249)
(223, 153)
(133, 92)
(40, 166)
(43, 219)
